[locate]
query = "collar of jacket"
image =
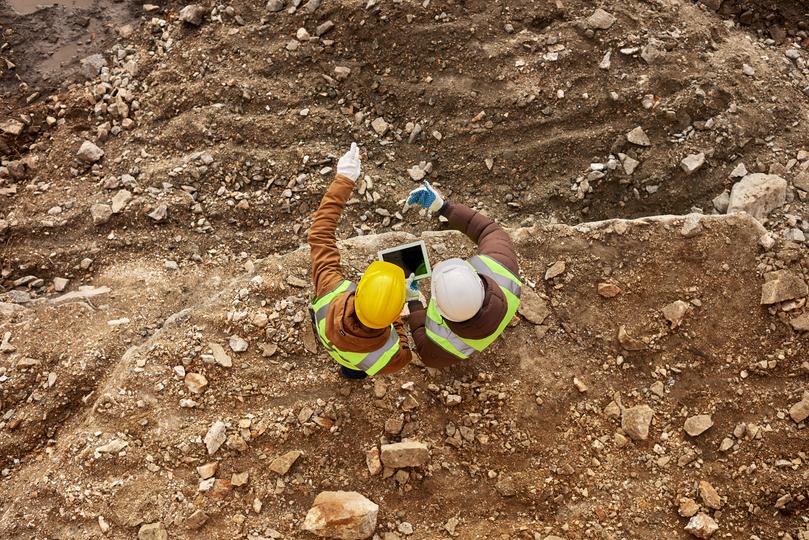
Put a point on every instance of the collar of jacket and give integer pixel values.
(488, 318)
(345, 331)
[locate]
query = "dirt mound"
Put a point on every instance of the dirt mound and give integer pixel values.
(533, 445)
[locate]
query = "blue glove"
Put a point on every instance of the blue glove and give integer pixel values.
(427, 197)
(412, 290)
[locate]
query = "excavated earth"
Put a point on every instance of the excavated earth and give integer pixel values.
(219, 141)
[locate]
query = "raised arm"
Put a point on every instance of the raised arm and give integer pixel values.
(326, 269)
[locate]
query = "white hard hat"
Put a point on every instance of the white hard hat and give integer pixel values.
(457, 290)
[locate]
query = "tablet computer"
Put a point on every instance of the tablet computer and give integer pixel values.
(412, 258)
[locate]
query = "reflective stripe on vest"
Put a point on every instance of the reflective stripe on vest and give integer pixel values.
(439, 332)
(371, 362)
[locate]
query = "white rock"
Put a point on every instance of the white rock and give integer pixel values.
(692, 163)
(238, 344)
(120, 200)
(380, 126)
(220, 356)
(698, 424)
(638, 137)
(193, 14)
(90, 153)
(101, 213)
(758, 195)
(675, 312)
(739, 171)
(346, 515)
(635, 421)
(600, 20)
(702, 526)
(112, 447)
(216, 436)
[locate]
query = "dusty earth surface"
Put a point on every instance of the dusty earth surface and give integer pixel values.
(218, 140)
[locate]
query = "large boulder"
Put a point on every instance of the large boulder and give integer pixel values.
(346, 515)
(758, 195)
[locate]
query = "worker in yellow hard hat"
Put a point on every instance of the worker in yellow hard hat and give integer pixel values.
(358, 325)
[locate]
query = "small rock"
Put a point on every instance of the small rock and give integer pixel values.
(675, 312)
(748, 70)
(92, 65)
(556, 269)
(208, 470)
(237, 344)
(758, 195)
(159, 213)
(739, 171)
(89, 153)
(638, 137)
(324, 28)
(193, 14)
(505, 486)
(800, 410)
(579, 384)
(380, 126)
(404, 454)
(416, 173)
(239, 479)
(692, 163)
(12, 127)
(608, 290)
(216, 436)
(275, 6)
(687, 507)
(628, 342)
(196, 520)
(600, 20)
(120, 200)
(698, 424)
(152, 531)
(373, 462)
(800, 323)
(783, 286)
(101, 213)
(606, 63)
(709, 496)
(692, 225)
(220, 356)
(112, 447)
(721, 202)
(635, 421)
(630, 164)
(533, 307)
(702, 526)
(59, 284)
(342, 514)
(196, 382)
(283, 463)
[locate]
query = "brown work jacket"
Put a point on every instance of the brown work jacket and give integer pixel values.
(343, 328)
(493, 241)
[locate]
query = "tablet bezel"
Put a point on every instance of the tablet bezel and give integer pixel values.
(419, 243)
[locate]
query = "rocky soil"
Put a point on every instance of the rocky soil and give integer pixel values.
(159, 378)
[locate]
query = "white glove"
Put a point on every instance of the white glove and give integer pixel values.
(412, 288)
(349, 165)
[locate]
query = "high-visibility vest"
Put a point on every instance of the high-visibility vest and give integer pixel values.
(370, 362)
(439, 332)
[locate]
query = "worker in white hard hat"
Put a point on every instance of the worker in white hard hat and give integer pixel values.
(472, 301)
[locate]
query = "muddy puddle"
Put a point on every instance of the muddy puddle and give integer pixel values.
(26, 7)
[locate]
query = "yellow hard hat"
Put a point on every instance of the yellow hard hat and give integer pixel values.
(380, 294)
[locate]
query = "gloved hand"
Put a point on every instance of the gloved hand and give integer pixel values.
(412, 288)
(427, 197)
(349, 164)
(347, 373)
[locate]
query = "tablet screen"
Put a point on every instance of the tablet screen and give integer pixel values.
(410, 259)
